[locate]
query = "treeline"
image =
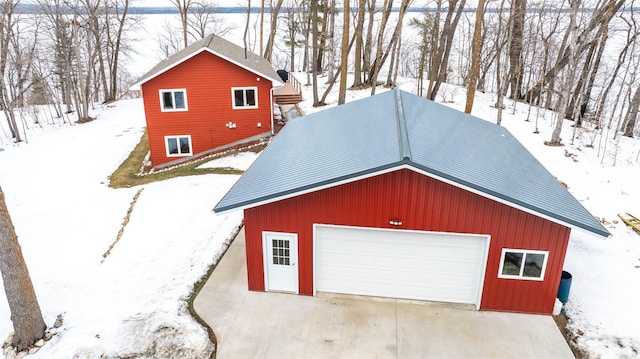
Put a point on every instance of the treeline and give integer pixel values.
(576, 57)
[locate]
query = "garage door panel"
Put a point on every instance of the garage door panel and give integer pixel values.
(399, 264)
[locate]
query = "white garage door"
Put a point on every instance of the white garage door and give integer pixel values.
(430, 266)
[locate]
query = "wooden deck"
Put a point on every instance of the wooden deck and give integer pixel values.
(290, 93)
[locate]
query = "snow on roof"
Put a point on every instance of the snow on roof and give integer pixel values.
(396, 130)
(221, 48)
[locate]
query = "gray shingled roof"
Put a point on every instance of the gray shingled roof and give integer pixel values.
(221, 47)
(397, 129)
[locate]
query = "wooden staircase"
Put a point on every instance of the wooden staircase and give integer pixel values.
(290, 93)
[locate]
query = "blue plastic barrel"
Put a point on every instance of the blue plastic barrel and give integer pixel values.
(565, 286)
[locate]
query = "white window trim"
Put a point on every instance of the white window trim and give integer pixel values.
(233, 98)
(166, 147)
(524, 253)
(173, 91)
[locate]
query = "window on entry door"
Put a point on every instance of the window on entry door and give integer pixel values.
(281, 251)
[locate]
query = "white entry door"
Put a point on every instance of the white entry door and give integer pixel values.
(280, 261)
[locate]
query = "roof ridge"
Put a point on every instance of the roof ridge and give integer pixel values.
(401, 121)
(211, 37)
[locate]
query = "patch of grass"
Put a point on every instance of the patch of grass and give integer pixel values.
(127, 175)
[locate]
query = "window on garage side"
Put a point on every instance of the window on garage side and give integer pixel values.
(523, 264)
(178, 146)
(245, 97)
(173, 100)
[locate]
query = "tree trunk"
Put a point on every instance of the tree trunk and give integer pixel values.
(321, 45)
(293, 32)
(366, 56)
(28, 324)
(499, 82)
(621, 59)
(516, 19)
(440, 57)
(344, 54)
(314, 50)
(373, 75)
(246, 28)
(573, 53)
(393, 62)
(262, 30)
(113, 75)
(268, 51)
(632, 114)
(357, 64)
(575, 111)
(333, 80)
(331, 56)
(476, 47)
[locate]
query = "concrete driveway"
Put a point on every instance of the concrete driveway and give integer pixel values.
(273, 325)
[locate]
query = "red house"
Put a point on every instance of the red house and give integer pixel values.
(210, 96)
(397, 196)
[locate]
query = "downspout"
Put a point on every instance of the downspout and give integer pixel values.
(271, 108)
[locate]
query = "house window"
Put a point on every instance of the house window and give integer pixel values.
(245, 97)
(178, 146)
(173, 100)
(523, 264)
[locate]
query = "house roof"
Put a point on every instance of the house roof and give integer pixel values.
(221, 48)
(396, 130)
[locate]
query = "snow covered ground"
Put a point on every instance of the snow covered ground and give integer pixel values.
(133, 304)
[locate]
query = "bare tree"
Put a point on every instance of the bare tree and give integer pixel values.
(572, 59)
(7, 23)
(203, 20)
(632, 114)
(120, 10)
(475, 56)
(368, 45)
(442, 42)
(246, 26)
(314, 50)
(423, 25)
(26, 316)
(373, 74)
(291, 39)
(275, 11)
(500, 83)
(599, 16)
(357, 67)
(344, 56)
(516, 20)
(632, 36)
(321, 35)
(184, 7)
(382, 54)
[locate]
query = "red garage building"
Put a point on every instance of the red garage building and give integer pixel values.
(211, 95)
(397, 196)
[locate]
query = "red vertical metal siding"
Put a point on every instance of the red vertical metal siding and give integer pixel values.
(421, 203)
(208, 80)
